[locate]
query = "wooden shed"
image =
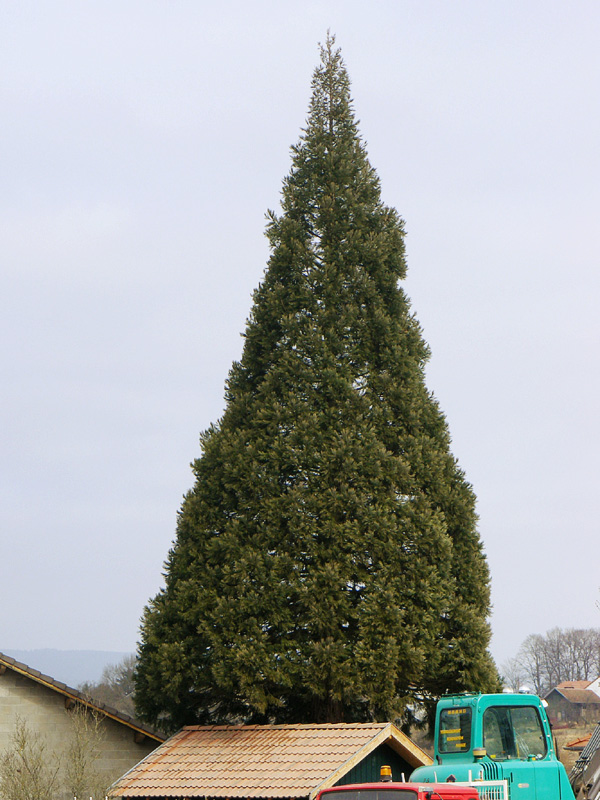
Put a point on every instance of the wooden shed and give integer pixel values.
(269, 761)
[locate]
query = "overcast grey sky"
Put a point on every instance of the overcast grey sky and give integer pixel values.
(143, 141)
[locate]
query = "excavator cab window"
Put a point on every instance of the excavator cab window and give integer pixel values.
(513, 732)
(455, 730)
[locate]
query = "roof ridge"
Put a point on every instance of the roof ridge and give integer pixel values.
(288, 726)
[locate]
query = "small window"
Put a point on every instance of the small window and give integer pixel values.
(455, 730)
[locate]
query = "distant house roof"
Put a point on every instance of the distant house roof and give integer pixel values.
(575, 695)
(266, 761)
(6, 662)
(573, 685)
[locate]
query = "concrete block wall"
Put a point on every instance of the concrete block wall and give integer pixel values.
(44, 711)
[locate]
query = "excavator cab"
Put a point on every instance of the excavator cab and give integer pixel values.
(501, 743)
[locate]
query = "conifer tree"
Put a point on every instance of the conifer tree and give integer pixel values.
(327, 564)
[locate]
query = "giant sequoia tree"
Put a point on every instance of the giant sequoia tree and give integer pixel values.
(327, 563)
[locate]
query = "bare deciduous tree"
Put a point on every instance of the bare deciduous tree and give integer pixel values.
(28, 771)
(81, 775)
(512, 674)
(116, 686)
(560, 655)
(531, 656)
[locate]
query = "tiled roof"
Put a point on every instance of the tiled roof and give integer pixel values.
(578, 696)
(7, 662)
(270, 761)
(573, 685)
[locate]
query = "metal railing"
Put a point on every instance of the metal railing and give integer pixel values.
(488, 790)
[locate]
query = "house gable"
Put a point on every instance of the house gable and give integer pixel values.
(368, 770)
(47, 707)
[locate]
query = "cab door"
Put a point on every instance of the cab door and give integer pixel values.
(547, 779)
(514, 737)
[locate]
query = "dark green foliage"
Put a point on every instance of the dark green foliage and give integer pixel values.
(327, 562)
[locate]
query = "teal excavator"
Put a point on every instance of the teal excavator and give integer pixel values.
(500, 743)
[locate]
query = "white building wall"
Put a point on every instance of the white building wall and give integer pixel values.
(594, 686)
